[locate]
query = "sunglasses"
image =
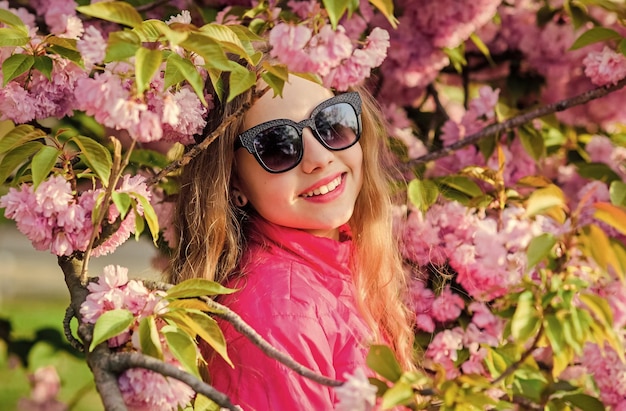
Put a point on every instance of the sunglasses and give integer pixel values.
(277, 144)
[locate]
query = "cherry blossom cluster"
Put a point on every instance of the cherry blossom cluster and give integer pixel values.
(328, 53)
(55, 219)
(141, 389)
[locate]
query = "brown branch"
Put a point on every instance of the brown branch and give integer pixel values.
(519, 120)
(122, 361)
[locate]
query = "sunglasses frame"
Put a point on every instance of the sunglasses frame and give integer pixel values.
(246, 139)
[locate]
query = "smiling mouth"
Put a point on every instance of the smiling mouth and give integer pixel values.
(325, 189)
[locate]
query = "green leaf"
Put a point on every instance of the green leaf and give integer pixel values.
(595, 35)
(150, 215)
(617, 191)
(463, 184)
(12, 37)
(552, 327)
(42, 163)
(12, 20)
(44, 65)
(241, 79)
(147, 157)
(197, 287)
(183, 347)
(122, 201)
(210, 50)
(149, 338)
(532, 141)
(121, 46)
(525, 321)
(178, 69)
(70, 54)
(110, 324)
(422, 194)
(595, 243)
(380, 359)
(202, 403)
(155, 30)
(401, 393)
(335, 9)
(539, 248)
(542, 199)
(63, 42)
(584, 402)
(147, 63)
(276, 83)
(97, 157)
(621, 47)
(598, 171)
(16, 65)
(228, 39)
(16, 157)
(207, 329)
(480, 45)
(115, 11)
(19, 135)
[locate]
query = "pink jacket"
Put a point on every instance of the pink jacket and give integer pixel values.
(297, 292)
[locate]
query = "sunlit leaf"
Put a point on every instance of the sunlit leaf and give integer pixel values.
(110, 324)
(19, 135)
(386, 8)
(422, 193)
(150, 215)
(240, 81)
(226, 37)
(17, 156)
(147, 63)
(16, 65)
(183, 347)
(12, 20)
(122, 45)
(381, 359)
(539, 248)
(612, 215)
(399, 394)
(149, 338)
(584, 402)
(595, 243)
(122, 201)
(10, 37)
(178, 69)
(543, 199)
(42, 163)
(210, 50)
(197, 287)
(532, 141)
(97, 157)
(599, 307)
(336, 10)
(526, 321)
(115, 11)
(44, 65)
(617, 191)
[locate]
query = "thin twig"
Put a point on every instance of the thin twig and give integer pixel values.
(122, 361)
(519, 120)
(198, 148)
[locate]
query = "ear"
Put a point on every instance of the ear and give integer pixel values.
(237, 195)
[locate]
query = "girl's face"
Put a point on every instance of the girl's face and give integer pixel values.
(318, 195)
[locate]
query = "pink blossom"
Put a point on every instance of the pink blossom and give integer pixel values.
(304, 9)
(447, 306)
(420, 301)
(288, 43)
(329, 48)
(16, 103)
(45, 389)
(145, 390)
(356, 394)
(445, 345)
(183, 17)
(608, 371)
(485, 103)
(92, 47)
(475, 365)
(605, 67)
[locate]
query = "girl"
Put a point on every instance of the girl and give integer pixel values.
(290, 206)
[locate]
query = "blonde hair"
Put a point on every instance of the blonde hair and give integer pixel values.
(210, 236)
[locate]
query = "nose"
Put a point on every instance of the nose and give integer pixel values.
(315, 156)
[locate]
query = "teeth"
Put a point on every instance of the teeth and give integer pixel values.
(325, 189)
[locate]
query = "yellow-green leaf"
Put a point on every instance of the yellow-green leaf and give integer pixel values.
(10, 37)
(197, 287)
(183, 347)
(115, 11)
(12, 20)
(178, 69)
(241, 80)
(595, 35)
(122, 201)
(206, 328)
(150, 215)
(149, 339)
(595, 243)
(422, 194)
(539, 248)
(122, 45)
(543, 199)
(147, 63)
(42, 163)
(97, 157)
(110, 324)
(525, 321)
(399, 394)
(599, 307)
(17, 156)
(617, 191)
(612, 215)
(386, 8)
(16, 65)
(380, 359)
(210, 50)
(19, 135)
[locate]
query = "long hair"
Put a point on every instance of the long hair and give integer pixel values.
(210, 227)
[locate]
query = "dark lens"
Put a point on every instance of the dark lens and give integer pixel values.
(279, 147)
(338, 125)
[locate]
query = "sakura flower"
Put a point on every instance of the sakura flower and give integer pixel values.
(92, 47)
(447, 306)
(145, 390)
(605, 67)
(356, 394)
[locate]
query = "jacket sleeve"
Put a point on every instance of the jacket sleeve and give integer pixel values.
(261, 383)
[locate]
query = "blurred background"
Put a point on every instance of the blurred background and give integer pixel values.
(33, 299)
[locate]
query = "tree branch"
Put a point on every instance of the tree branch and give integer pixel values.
(122, 361)
(518, 121)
